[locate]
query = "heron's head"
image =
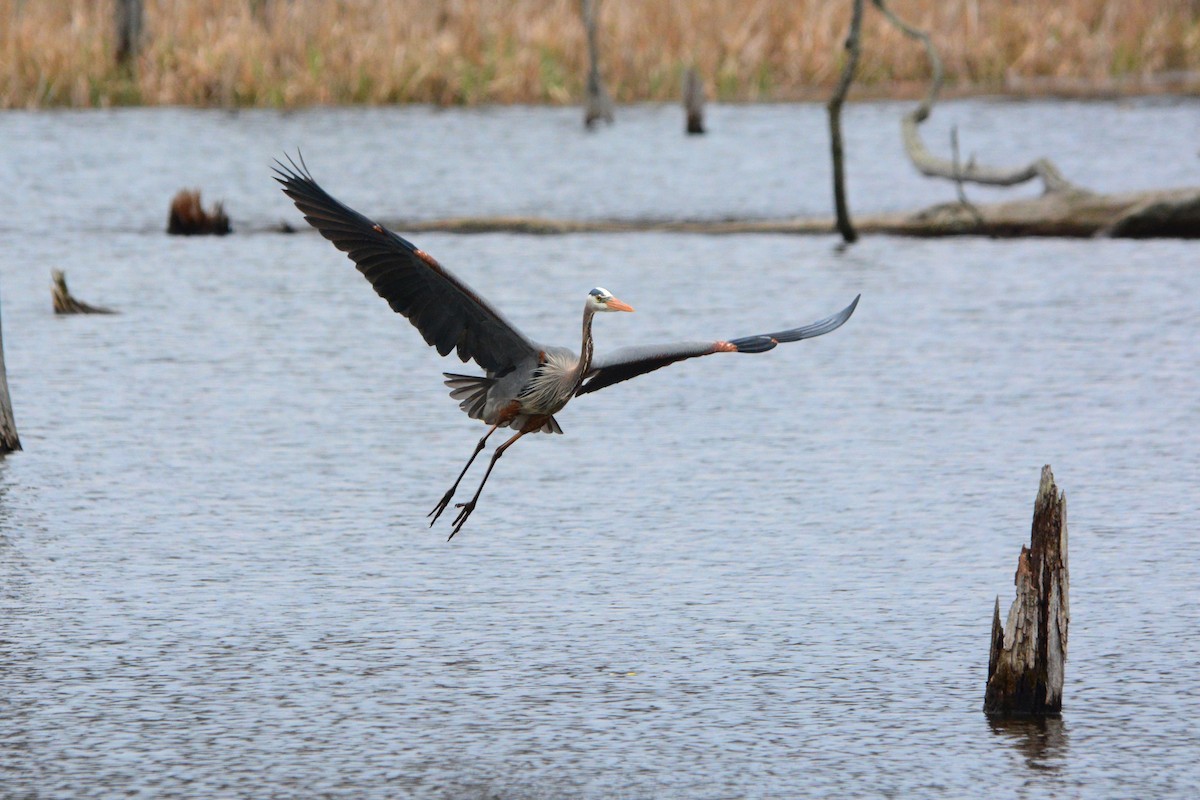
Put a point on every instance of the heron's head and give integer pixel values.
(602, 300)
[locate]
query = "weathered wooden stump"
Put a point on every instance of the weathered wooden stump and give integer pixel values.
(129, 15)
(693, 101)
(64, 303)
(188, 217)
(9, 441)
(1028, 655)
(598, 106)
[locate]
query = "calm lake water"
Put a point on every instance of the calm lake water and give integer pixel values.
(767, 576)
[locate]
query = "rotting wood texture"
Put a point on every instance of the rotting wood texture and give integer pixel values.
(1028, 656)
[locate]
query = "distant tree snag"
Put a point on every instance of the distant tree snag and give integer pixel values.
(693, 102)
(599, 106)
(9, 441)
(1027, 658)
(128, 20)
(64, 303)
(188, 218)
(841, 208)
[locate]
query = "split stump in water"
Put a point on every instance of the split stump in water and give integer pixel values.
(1029, 653)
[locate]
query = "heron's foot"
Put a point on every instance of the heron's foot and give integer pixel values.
(461, 519)
(442, 505)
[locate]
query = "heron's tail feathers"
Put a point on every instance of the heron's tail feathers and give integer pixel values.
(471, 391)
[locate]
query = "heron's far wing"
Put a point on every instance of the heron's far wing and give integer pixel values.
(629, 362)
(444, 309)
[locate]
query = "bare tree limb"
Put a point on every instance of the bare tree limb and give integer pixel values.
(844, 225)
(958, 182)
(934, 167)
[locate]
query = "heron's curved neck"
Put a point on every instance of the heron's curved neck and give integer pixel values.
(585, 349)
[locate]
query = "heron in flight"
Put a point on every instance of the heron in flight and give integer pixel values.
(526, 383)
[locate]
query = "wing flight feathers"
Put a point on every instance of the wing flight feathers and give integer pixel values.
(629, 362)
(449, 315)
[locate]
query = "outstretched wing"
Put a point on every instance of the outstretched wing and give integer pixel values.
(629, 362)
(444, 309)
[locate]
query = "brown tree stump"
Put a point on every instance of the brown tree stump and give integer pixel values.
(188, 217)
(1029, 653)
(693, 102)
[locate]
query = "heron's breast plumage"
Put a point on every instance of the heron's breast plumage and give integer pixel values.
(551, 384)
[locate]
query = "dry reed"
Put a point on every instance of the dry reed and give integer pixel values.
(300, 52)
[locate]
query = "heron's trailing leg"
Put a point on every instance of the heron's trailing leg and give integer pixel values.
(445, 501)
(469, 506)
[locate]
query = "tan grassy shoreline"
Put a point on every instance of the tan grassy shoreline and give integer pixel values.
(288, 53)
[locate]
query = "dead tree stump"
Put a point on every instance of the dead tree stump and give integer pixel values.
(64, 303)
(599, 105)
(693, 102)
(128, 19)
(1028, 655)
(188, 217)
(9, 441)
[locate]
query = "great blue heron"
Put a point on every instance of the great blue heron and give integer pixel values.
(526, 383)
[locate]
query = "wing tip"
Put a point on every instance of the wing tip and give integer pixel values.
(291, 172)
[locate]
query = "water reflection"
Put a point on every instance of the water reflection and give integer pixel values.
(1041, 740)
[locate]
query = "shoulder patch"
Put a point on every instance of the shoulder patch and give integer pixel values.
(428, 259)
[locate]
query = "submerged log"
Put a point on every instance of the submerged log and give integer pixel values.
(1028, 655)
(1168, 213)
(1173, 213)
(64, 303)
(188, 217)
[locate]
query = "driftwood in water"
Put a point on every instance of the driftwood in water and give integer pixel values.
(599, 106)
(1174, 213)
(1028, 655)
(693, 101)
(1170, 213)
(9, 441)
(188, 217)
(64, 303)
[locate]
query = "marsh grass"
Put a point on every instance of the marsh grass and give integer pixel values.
(301, 52)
